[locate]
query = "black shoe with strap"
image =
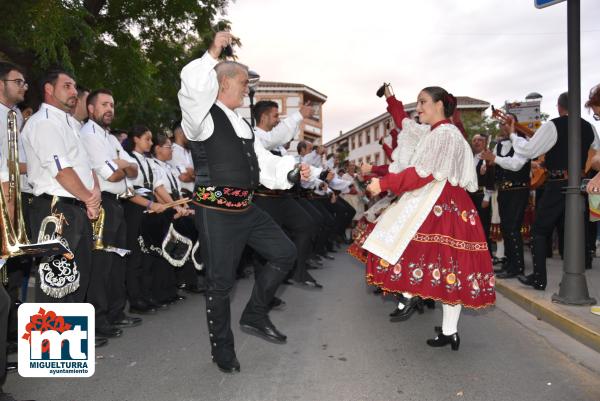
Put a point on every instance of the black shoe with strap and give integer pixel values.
(415, 304)
(442, 340)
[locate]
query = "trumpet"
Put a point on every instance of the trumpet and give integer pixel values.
(98, 231)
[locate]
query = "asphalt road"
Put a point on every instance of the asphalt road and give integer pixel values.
(341, 346)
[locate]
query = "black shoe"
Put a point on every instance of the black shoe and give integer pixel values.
(310, 266)
(328, 257)
(396, 312)
(414, 304)
(316, 260)
(311, 283)
(157, 304)
(265, 330)
(499, 270)
(142, 309)
(229, 367)
(176, 298)
(287, 281)
(506, 274)
(12, 367)
(127, 321)
(277, 304)
(377, 291)
(100, 342)
(442, 340)
(108, 331)
(194, 289)
(429, 303)
(531, 281)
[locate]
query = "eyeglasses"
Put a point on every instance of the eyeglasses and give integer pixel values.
(19, 82)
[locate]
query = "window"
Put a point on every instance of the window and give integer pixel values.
(376, 159)
(359, 137)
(368, 159)
(368, 136)
(360, 160)
(376, 134)
(388, 124)
(352, 143)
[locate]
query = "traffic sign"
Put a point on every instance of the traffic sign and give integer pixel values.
(545, 3)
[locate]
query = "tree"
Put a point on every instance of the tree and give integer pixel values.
(136, 48)
(477, 123)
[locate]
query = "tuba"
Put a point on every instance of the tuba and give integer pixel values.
(12, 224)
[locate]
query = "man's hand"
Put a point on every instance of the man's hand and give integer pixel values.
(488, 155)
(94, 200)
(306, 110)
(374, 188)
(366, 168)
(304, 171)
(158, 207)
(222, 39)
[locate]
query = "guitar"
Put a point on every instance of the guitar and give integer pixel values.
(539, 173)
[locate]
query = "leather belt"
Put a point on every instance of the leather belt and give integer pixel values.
(64, 199)
(110, 195)
(223, 198)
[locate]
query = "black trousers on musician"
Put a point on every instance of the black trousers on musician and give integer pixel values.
(107, 288)
(316, 208)
(223, 235)
(4, 310)
(17, 269)
(550, 213)
(512, 204)
(135, 269)
(485, 215)
(290, 216)
(77, 230)
(342, 212)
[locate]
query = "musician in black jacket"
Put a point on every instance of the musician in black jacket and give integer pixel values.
(512, 181)
(551, 139)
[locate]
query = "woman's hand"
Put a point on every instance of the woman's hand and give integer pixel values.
(593, 187)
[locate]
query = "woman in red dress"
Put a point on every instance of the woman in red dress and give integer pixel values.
(430, 244)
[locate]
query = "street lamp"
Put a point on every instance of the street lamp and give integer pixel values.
(533, 96)
(253, 79)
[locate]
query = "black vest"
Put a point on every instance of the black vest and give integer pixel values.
(485, 180)
(515, 177)
(557, 158)
(224, 159)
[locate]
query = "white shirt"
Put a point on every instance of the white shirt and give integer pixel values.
(181, 160)
(145, 165)
(313, 159)
(512, 163)
(282, 133)
(198, 93)
(167, 175)
(487, 193)
(102, 148)
(52, 143)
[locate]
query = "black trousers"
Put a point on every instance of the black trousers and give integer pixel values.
(107, 288)
(4, 310)
(223, 236)
(17, 269)
(512, 204)
(325, 242)
(77, 230)
(135, 269)
(550, 213)
(342, 212)
(294, 220)
(485, 215)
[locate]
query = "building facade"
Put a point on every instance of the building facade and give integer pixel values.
(289, 97)
(361, 144)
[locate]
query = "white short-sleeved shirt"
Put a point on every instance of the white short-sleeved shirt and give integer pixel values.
(168, 175)
(103, 148)
(53, 143)
(144, 178)
(181, 160)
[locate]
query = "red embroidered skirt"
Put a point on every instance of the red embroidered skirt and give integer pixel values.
(447, 259)
(360, 233)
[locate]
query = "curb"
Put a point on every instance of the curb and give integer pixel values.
(550, 313)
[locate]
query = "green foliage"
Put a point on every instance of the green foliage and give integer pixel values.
(136, 48)
(477, 123)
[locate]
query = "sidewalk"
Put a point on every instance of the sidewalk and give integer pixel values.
(576, 321)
